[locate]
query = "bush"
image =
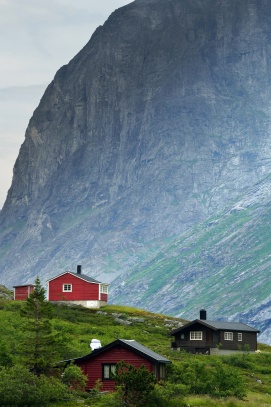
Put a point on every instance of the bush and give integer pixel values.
(74, 378)
(19, 387)
(208, 377)
(134, 384)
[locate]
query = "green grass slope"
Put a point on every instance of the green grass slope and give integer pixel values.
(78, 325)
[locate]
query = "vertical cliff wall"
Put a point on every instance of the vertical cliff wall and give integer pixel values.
(160, 121)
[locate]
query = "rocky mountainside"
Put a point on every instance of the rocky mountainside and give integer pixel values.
(159, 125)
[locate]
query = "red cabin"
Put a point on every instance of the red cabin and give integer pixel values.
(101, 363)
(22, 292)
(77, 288)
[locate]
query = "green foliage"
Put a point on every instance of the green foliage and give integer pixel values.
(74, 378)
(38, 346)
(209, 376)
(74, 327)
(5, 356)
(19, 387)
(241, 360)
(134, 384)
(167, 395)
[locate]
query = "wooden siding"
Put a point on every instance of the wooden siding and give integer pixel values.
(104, 297)
(249, 339)
(93, 368)
(21, 293)
(81, 289)
(212, 338)
(209, 338)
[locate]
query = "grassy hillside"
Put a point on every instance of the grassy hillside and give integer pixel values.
(78, 325)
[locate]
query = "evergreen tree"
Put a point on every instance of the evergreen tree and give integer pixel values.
(134, 384)
(38, 345)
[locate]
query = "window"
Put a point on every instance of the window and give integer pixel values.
(196, 336)
(228, 336)
(162, 372)
(240, 338)
(108, 371)
(67, 287)
(104, 289)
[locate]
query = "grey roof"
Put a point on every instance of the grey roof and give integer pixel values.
(233, 326)
(82, 276)
(148, 352)
(218, 325)
(85, 277)
(137, 347)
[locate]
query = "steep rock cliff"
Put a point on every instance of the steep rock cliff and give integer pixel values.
(160, 121)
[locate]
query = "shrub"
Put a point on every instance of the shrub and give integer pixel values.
(209, 376)
(134, 384)
(19, 387)
(74, 378)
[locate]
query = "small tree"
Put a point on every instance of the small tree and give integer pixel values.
(74, 378)
(37, 348)
(134, 384)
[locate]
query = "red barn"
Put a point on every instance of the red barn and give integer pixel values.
(101, 363)
(22, 292)
(77, 288)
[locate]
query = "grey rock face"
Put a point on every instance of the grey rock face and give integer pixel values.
(160, 121)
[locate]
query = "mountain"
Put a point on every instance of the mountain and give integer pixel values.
(146, 160)
(22, 100)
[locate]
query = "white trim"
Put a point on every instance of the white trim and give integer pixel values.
(68, 287)
(104, 287)
(240, 336)
(195, 335)
(228, 336)
(74, 275)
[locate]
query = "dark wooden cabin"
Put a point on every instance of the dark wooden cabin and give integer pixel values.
(210, 337)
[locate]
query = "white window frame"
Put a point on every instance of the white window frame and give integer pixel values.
(67, 288)
(240, 336)
(228, 336)
(196, 336)
(104, 289)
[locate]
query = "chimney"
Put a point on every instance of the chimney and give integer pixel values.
(79, 268)
(203, 314)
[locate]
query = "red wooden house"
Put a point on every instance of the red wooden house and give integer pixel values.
(101, 363)
(22, 292)
(77, 288)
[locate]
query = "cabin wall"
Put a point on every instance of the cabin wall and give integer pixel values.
(94, 371)
(104, 297)
(81, 290)
(213, 339)
(22, 293)
(249, 341)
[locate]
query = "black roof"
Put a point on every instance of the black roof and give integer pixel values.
(130, 344)
(218, 325)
